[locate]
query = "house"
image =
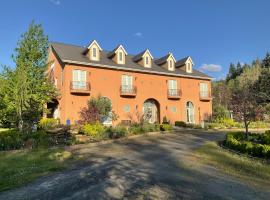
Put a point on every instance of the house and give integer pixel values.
(136, 85)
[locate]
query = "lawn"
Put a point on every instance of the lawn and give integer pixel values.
(252, 171)
(23, 166)
(3, 129)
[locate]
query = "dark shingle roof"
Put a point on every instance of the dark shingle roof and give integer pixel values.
(181, 62)
(162, 60)
(139, 56)
(74, 54)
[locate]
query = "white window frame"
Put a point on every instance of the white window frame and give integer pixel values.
(94, 53)
(203, 89)
(79, 79)
(172, 87)
(170, 65)
(127, 84)
(120, 54)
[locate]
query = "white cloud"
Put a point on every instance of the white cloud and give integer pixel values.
(210, 68)
(56, 2)
(138, 34)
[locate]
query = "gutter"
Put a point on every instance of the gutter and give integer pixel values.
(135, 70)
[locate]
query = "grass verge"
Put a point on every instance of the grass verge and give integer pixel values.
(20, 167)
(253, 171)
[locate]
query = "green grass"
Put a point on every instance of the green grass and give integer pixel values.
(20, 167)
(3, 129)
(252, 171)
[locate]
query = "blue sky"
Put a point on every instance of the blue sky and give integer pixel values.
(213, 32)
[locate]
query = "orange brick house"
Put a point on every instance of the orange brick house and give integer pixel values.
(135, 84)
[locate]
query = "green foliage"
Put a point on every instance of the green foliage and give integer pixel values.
(143, 128)
(237, 141)
(95, 131)
(47, 123)
(117, 132)
(26, 88)
(220, 113)
(98, 110)
(14, 139)
(165, 127)
(180, 123)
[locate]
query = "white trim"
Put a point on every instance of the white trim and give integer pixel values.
(189, 60)
(135, 70)
(171, 56)
(94, 42)
(121, 47)
(148, 52)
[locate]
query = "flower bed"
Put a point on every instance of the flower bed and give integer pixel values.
(257, 145)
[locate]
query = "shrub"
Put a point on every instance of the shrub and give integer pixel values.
(180, 124)
(116, 132)
(147, 127)
(13, 139)
(95, 131)
(47, 123)
(136, 129)
(165, 127)
(236, 141)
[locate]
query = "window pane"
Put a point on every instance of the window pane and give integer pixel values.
(94, 52)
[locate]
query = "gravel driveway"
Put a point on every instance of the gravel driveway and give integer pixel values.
(147, 167)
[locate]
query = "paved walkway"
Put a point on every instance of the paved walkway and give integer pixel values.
(147, 167)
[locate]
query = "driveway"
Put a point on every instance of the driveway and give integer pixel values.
(146, 167)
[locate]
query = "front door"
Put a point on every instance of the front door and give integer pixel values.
(150, 112)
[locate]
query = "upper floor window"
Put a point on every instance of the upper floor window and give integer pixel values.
(203, 89)
(120, 56)
(147, 60)
(171, 65)
(127, 83)
(189, 67)
(172, 88)
(79, 79)
(94, 52)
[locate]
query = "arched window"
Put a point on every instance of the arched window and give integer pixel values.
(190, 112)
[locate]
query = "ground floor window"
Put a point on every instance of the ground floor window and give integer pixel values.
(190, 112)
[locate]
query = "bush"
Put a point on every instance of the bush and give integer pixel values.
(13, 139)
(47, 123)
(116, 132)
(180, 124)
(165, 127)
(136, 129)
(150, 127)
(95, 131)
(236, 141)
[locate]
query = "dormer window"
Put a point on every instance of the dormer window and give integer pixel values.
(170, 65)
(93, 51)
(144, 59)
(118, 55)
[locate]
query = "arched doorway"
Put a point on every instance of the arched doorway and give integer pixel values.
(151, 111)
(190, 112)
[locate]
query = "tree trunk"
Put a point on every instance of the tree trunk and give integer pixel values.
(246, 127)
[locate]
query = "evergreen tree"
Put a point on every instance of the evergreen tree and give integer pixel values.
(239, 70)
(266, 61)
(27, 89)
(232, 72)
